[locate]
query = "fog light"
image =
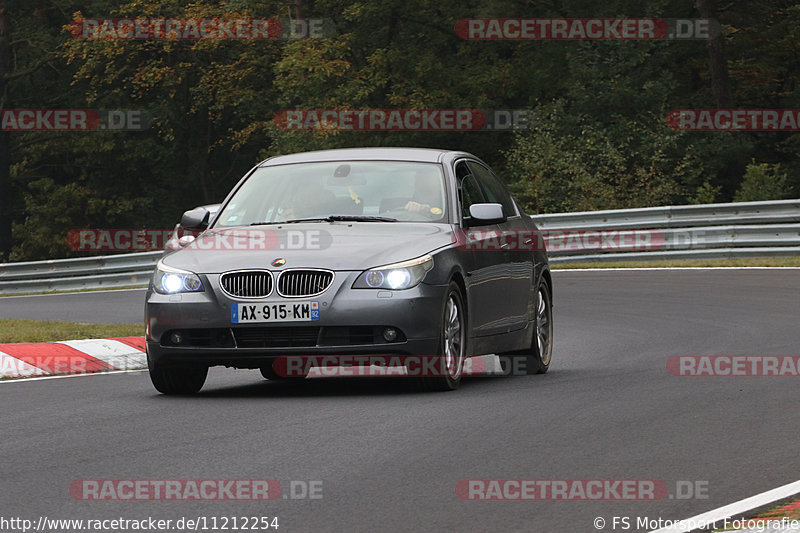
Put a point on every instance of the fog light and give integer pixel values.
(176, 337)
(390, 334)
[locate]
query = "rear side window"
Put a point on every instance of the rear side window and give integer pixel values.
(493, 188)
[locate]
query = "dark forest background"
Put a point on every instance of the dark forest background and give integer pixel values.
(600, 140)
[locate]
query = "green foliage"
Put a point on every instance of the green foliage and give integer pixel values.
(53, 210)
(762, 181)
(569, 163)
(706, 194)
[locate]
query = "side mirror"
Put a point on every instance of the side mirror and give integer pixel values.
(196, 218)
(212, 209)
(179, 238)
(485, 214)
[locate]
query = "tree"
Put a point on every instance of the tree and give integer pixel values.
(599, 138)
(25, 48)
(762, 182)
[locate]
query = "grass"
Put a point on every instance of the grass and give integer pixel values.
(744, 262)
(18, 330)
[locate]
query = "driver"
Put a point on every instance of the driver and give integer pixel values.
(311, 199)
(427, 198)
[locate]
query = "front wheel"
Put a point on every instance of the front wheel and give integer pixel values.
(177, 379)
(452, 343)
(536, 358)
(271, 374)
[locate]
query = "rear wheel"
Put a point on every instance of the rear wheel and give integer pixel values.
(182, 379)
(452, 343)
(536, 358)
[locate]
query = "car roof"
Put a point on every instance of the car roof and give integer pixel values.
(422, 155)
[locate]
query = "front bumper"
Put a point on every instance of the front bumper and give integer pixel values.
(351, 322)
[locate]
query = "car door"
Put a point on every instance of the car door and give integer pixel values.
(487, 276)
(517, 257)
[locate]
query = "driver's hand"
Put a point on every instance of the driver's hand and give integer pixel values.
(416, 207)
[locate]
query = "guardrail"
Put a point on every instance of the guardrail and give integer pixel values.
(102, 272)
(680, 216)
(711, 231)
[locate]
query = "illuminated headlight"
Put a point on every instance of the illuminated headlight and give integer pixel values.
(397, 276)
(168, 280)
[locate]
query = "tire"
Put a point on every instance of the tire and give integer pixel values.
(177, 380)
(269, 373)
(535, 359)
(452, 343)
(281, 374)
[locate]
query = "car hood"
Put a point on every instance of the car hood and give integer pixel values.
(335, 246)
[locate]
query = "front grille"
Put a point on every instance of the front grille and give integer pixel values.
(247, 283)
(276, 337)
(298, 283)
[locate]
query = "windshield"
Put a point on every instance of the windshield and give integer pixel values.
(365, 190)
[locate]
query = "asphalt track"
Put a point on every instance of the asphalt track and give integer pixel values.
(101, 307)
(389, 456)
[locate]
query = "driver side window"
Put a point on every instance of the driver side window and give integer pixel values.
(469, 191)
(494, 189)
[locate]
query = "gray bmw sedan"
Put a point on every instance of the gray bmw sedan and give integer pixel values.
(414, 256)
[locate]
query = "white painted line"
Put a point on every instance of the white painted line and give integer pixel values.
(62, 376)
(734, 509)
(668, 268)
(116, 354)
(11, 367)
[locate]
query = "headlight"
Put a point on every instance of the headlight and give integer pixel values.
(396, 276)
(168, 280)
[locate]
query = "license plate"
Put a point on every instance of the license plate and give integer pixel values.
(275, 312)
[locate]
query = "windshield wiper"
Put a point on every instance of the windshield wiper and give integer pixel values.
(293, 221)
(314, 219)
(360, 218)
(331, 218)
